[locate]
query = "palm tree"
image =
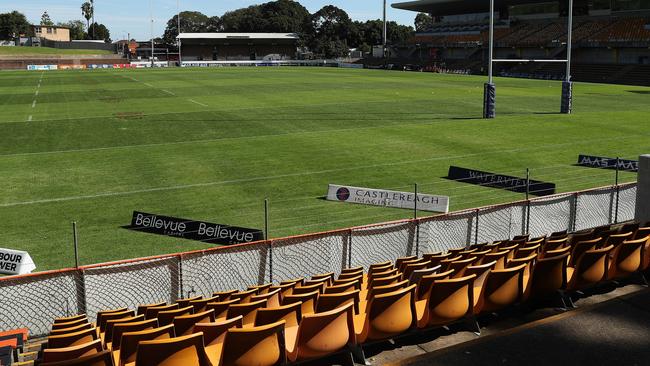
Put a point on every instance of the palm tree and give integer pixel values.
(87, 12)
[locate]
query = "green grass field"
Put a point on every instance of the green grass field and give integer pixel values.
(211, 144)
(44, 51)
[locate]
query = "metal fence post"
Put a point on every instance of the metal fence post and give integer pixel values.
(527, 201)
(618, 190)
(478, 212)
(81, 283)
(75, 243)
(350, 250)
(574, 222)
(417, 223)
(268, 240)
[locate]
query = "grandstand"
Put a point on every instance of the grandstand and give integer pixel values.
(616, 38)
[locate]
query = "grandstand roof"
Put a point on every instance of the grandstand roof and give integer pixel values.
(455, 7)
(284, 36)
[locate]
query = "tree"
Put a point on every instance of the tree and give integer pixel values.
(332, 28)
(76, 29)
(87, 12)
(45, 19)
(423, 22)
(13, 25)
(100, 31)
(191, 22)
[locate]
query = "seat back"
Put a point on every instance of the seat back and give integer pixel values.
(348, 277)
(555, 252)
(344, 287)
(327, 276)
(399, 261)
(142, 309)
(215, 332)
(285, 289)
(499, 257)
(185, 302)
(435, 258)
(527, 251)
(69, 353)
(167, 316)
(409, 268)
(480, 271)
(389, 314)
(70, 324)
(592, 267)
(549, 275)
(327, 302)
(114, 316)
(553, 244)
(246, 310)
(152, 312)
(130, 340)
(417, 274)
(424, 286)
(103, 358)
(295, 281)
(72, 339)
(69, 319)
(450, 300)
(447, 261)
(642, 232)
(383, 274)
(200, 305)
(184, 350)
(243, 296)
(223, 295)
(260, 346)
(76, 328)
(291, 314)
(582, 246)
(325, 333)
(261, 289)
(627, 257)
(183, 324)
(298, 290)
(326, 281)
(403, 265)
(386, 288)
(460, 265)
(383, 281)
(221, 307)
(120, 329)
(110, 325)
(352, 270)
(308, 301)
(103, 313)
(380, 267)
(581, 236)
(617, 239)
(272, 298)
(502, 288)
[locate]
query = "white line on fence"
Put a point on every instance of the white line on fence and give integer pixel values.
(199, 103)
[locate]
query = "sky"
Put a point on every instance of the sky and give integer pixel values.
(132, 16)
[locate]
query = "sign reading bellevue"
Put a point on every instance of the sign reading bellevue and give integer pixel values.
(385, 198)
(608, 163)
(15, 262)
(193, 230)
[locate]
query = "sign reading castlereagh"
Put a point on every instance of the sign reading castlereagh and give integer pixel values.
(385, 198)
(194, 230)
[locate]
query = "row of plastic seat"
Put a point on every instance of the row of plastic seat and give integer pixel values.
(389, 300)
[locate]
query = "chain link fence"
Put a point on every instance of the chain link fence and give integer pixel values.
(33, 301)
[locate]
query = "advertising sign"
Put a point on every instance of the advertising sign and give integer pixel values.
(15, 262)
(494, 180)
(386, 198)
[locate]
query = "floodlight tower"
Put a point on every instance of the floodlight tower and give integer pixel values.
(385, 32)
(178, 17)
(151, 17)
(567, 85)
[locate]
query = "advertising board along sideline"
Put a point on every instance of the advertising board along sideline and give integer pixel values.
(387, 198)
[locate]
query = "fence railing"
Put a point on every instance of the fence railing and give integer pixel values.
(34, 300)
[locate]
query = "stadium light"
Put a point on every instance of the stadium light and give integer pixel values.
(151, 17)
(178, 17)
(385, 32)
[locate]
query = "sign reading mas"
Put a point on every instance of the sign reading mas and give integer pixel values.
(194, 230)
(608, 163)
(386, 198)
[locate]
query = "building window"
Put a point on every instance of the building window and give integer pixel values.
(37, 29)
(49, 30)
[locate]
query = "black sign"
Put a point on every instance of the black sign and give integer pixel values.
(493, 180)
(194, 230)
(608, 163)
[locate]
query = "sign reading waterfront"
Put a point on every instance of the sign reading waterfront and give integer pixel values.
(385, 198)
(194, 230)
(494, 180)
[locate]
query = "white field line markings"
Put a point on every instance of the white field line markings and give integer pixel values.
(289, 175)
(36, 94)
(168, 92)
(149, 85)
(34, 103)
(29, 119)
(199, 103)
